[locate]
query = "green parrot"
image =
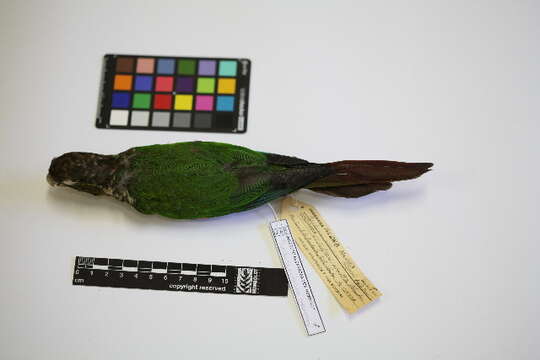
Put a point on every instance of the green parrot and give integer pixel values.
(193, 180)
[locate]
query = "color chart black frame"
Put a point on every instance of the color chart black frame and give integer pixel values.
(215, 102)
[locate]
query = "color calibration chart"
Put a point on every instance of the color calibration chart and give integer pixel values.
(174, 93)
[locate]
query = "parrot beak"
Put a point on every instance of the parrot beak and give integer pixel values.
(51, 181)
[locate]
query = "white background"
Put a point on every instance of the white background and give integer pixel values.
(455, 252)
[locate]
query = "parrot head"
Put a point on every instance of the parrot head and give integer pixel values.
(81, 171)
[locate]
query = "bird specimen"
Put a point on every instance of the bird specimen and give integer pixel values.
(192, 180)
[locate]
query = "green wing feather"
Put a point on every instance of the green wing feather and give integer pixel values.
(200, 179)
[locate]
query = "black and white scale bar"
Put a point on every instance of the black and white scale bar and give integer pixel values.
(159, 275)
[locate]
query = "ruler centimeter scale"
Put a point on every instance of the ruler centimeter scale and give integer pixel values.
(159, 275)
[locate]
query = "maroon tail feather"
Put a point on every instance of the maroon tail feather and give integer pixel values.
(355, 178)
(353, 191)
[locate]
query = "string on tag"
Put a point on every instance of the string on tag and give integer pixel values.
(273, 211)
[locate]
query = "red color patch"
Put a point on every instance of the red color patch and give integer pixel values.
(162, 101)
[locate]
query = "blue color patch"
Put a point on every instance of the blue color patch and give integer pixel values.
(143, 83)
(227, 68)
(120, 100)
(165, 66)
(225, 103)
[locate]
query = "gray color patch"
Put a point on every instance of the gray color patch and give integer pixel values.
(161, 119)
(182, 120)
(139, 118)
(202, 120)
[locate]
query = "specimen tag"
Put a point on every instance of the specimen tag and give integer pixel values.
(159, 275)
(297, 277)
(351, 288)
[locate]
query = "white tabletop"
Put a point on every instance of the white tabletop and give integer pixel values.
(455, 253)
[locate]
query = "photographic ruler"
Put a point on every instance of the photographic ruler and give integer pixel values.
(174, 276)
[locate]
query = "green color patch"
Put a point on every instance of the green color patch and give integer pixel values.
(141, 101)
(206, 85)
(227, 68)
(186, 67)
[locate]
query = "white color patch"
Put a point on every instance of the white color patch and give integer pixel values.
(119, 117)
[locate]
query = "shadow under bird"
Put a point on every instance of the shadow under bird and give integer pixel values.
(192, 180)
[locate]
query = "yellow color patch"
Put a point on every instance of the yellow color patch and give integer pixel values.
(226, 86)
(183, 102)
(122, 82)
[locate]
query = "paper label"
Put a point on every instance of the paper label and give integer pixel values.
(296, 274)
(351, 288)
